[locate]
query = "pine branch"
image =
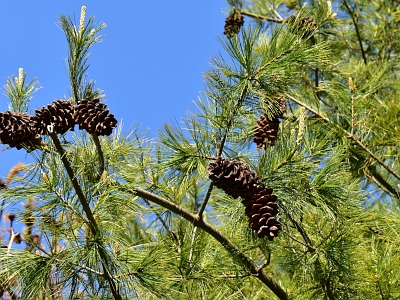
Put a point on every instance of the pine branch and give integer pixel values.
(224, 241)
(205, 201)
(265, 264)
(351, 13)
(86, 208)
(377, 178)
(261, 18)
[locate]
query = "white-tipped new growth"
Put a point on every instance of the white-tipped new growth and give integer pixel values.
(82, 19)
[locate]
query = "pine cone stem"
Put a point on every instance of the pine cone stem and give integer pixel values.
(261, 18)
(230, 121)
(85, 205)
(205, 201)
(99, 151)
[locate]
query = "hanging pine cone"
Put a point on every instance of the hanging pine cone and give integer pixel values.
(267, 129)
(234, 177)
(60, 114)
(305, 27)
(237, 179)
(233, 23)
(15, 130)
(94, 117)
(261, 208)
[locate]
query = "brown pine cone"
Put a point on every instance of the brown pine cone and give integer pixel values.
(233, 23)
(267, 129)
(60, 114)
(238, 180)
(94, 117)
(234, 177)
(305, 27)
(15, 130)
(261, 209)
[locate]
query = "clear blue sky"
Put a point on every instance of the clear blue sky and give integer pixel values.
(149, 64)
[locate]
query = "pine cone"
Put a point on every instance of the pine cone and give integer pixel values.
(261, 209)
(60, 114)
(233, 23)
(237, 179)
(18, 238)
(267, 129)
(94, 117)
(15, 130)
(306, 26)
(234, 177)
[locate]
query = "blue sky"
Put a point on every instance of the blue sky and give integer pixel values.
(149, 64)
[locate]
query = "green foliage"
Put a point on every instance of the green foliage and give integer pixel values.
(19, 92)
(120, 217)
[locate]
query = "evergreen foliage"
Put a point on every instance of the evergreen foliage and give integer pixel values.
(146, 222)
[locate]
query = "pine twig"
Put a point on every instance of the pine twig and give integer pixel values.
(265, 264)
(221, 147)
(285, 161)
(11, 242)
(357, 30)
(67, 204)
(100, 152)
(224, 241)
(381, 182)
(205, 201)
(191, 245)
(261, 18)
(174, 237)
(352, 87)
(302, 232)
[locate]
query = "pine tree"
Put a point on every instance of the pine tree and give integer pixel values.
(284, 184)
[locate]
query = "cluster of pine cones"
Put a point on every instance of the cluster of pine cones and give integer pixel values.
(306, 26)
(21, 130)
(236, 179)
